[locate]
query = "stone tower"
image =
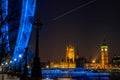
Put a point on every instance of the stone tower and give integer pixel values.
(70, 54)
(104, 55)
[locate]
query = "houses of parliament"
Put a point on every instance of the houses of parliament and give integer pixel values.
(74, 60)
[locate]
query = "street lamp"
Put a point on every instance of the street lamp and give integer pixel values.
(2, 64)
(10, 62)
(36, 69)
(6, 63)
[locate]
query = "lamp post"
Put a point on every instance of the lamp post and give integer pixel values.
(36, 69)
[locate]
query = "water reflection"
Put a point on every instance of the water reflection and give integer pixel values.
(82, 78)
(94, 78)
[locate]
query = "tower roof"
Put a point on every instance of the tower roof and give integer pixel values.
(104, 44)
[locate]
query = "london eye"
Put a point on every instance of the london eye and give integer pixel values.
(16, 27)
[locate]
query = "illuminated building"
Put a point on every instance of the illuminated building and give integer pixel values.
(73, 61)
(70, 59)
(70, 54)
(104, 55)
(103, 64)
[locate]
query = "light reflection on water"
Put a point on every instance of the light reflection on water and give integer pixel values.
(85, 78)
(94, 78)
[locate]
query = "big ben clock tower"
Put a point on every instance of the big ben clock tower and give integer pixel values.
(104, 55)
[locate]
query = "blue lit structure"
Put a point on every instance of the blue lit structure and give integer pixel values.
(28, 10)
(16, 26)
(73, 73)
(4, 26)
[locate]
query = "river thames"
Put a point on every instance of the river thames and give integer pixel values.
(63, 74)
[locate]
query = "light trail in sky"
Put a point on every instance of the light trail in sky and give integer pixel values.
(72, 10)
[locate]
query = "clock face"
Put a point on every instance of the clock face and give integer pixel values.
(105, 49)
(101, 49)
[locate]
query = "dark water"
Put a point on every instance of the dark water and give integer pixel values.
(86, 78)
(93, 78)
(115, 75)
(112, 76)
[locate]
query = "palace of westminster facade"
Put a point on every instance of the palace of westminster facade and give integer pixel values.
(73, 60)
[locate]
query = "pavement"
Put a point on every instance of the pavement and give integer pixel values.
(8, 77)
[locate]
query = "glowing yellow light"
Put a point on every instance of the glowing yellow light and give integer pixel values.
(93, 61)
(71, 49)
(101, 49)
(28, 66)
(105, 49)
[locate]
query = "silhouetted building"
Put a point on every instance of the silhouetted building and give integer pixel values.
(80, 61)
(116, 61)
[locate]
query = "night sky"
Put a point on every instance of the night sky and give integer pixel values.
(85, 23)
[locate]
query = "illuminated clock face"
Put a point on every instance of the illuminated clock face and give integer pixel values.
(101, 49)
(105, 49)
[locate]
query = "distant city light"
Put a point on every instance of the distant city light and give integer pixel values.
(2, 64)
(28, 66)
(93, 61)
(6, 63)
(47, 66)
